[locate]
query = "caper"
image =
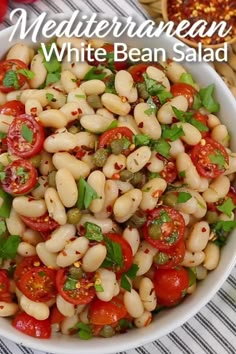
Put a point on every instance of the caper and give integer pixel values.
(142, 91)
(161, 258)
(100, 157)
(118, 145)
(212, 217)
(170, 199)
(138, 179)
(52, 179)
(35, 160)
(137, 220)
(73, 129)
(154, 231)
(73, 216)
(76, 272)
(126, 175)
(107, 331)
(94, 101)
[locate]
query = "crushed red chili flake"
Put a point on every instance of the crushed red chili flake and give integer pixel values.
(213, 10)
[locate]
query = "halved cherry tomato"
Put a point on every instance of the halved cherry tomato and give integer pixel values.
(126, 252)
(174, 256)
(26, 265)
(16, 80)
(56, 316)
(138, 70)
(20, 177)
(106, 313)
(38, 284)
(164, 227)
(82, 294)
(170, 285)
(169, 172)
(42, 223)
(210, 158)
(3, 9)
(5, 294)
(182, 89)
(22, 144)
(32, 327)
(12, 108)
(116, 133)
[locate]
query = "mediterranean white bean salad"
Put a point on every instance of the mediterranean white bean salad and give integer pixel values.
(115, 191)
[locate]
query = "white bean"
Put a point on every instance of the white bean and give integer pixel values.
(68, 80)
(147, 294)
(131, 235)
(55, 207)
(217, 189)
(221, 134)
(96, 180)
(63, 141)
(66, 308)
(147, 122)
(212, 256)
(73, 251)
(40, 71)
(111, 193)
(5, 122)
(124, 85)
(38, 310)
(128, 122)
(68, 323)
(53, 118)
(144, 261)
(126, 205)
(105, 224)
(198, 238)
(115, 104)
(48, 258)
(176, 147)
(27, 206)
(166, 114)
(25, 249)
(32, 237)
(39, 191)
(21, 52)
(46, 165)
(33, 107)
(114, 164)
(86, 139)
(95, 123)
(76, 167)
(144, 320)
(93, 87)
(108, 283)
(138, 159)
(14, 223)
(151, 192)
(133, 303)
(174, 71)
(192, 135)
(185, 165)
(93, 258)
(60, 237)
(193, 259)
(159, 76)
(66, 187)
(155, 164)
(8, 309)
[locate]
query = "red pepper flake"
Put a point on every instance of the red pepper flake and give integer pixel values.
(146, 251)
(117, 166)
(115, 176)
(203, 229)
(140, 125)
(109, 208)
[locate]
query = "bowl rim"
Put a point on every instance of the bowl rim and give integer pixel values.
(148, 336)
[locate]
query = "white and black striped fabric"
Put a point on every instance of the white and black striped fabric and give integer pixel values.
(213, 329)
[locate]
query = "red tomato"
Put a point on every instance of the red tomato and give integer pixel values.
(3, 9)
(83, 294)
(55, 315)
(175, 256)
(42, 223)
(138, 70)
(170, 285)
(103, 313)
(202, 118)
(32, 327)
(169, 172)
(210, 158)
(12, 108)
(5, 294)
(38, 284)
(15, 83)
(116, 133)
(126, 252)
(26, 265)
(182, 89)
(22, 144)
(164, 227)
(20, 177)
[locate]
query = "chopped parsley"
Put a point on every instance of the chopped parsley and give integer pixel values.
(114, 255)
(8, 246)
(172, 133)
(183, 197)
(206, 96)
(218, 159)
(221, 230)
(86, 194)
(70, 283)
(11, 80)
(227, 207)
(27, 73)
(129, 275)
(187, 78)
(84, 330)
(27, 133)
(93, 232)
(96, 73)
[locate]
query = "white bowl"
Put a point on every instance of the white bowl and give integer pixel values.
(166, 321)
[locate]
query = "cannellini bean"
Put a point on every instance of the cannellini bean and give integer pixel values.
(155, 164)
(5, 122)
(93, 87)
(64, 141)
(68, 80)
(133, 303)
(151, 192)
(32, 237)
(128, 122)
(84, 315)
(105, 224)
(108, 283)
(193, 259)
(66, 187)
(40, 71)
(192, 135)
(174, 71)
(201, 272)
(39, 191)
(21, 52)
(25, 249)
(39, 95)
(53, 118)
(2, 98)
(217, 189)
(123, 187)
(192, 288)
(76, 167)
(96, 180)
(159, 76)
(126, 205)
(147, 248)
(75, 42)
(176, 147)
(93, 258)
(86, 139)
(68, 323)
(59, 238)
(212, 121)
(27, 206)
(147, 122)
(33, 107)
(48, 258)
(8, 309)
(111, 192)
(114, 164)
(198, 238)
(46, 165)
(80, 69)
(165, 114)
(131, 235)
(232, 164)
(58, 100)
(147, 294)
(185, 165)
(66, 308)
(144, 320)
(124, 85)
(105, 113)
(6, 158)
(54, 206)
(95, 123)
(144, 261)
(38, 310)
(212, 256)
(115, 104)
(221, 134)
(72, 252)
(138, 159)
(14, 223)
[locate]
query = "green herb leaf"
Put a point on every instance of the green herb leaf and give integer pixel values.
(172, 238)
(84, 331)
(96, 73)
(152, 104)
(187, 79)
(22, 173)
(197, 103)
(227, 226)
(221, 230)
(162, 218)
(129, 275)
(183, 197)
(114, 255)
(6, 202)
(218, 159)
(132, 271)
(110, 84)
(27, 73)
(125, 283)
(172, 133)
(42, 274)
(3, 135)
(70, 283)
(2, 175)
(181, 115)
(162, 147)
(227, 207)
(50, 97)
(3, 228)
(27, 133)
(114, 124)
(153, 87)
(52, 77)
(8, 246)
(98, 287)
(149, 111)
(199, 125)
(80, 96)
(53, 65)
(182, 174)
(93, 232)
(152, 175)
(164, 95)
(11, 80)
(124, 324)
(206, 95)
(86, 194)
(141, 139)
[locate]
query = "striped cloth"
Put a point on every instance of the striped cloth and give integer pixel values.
(213, 329)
